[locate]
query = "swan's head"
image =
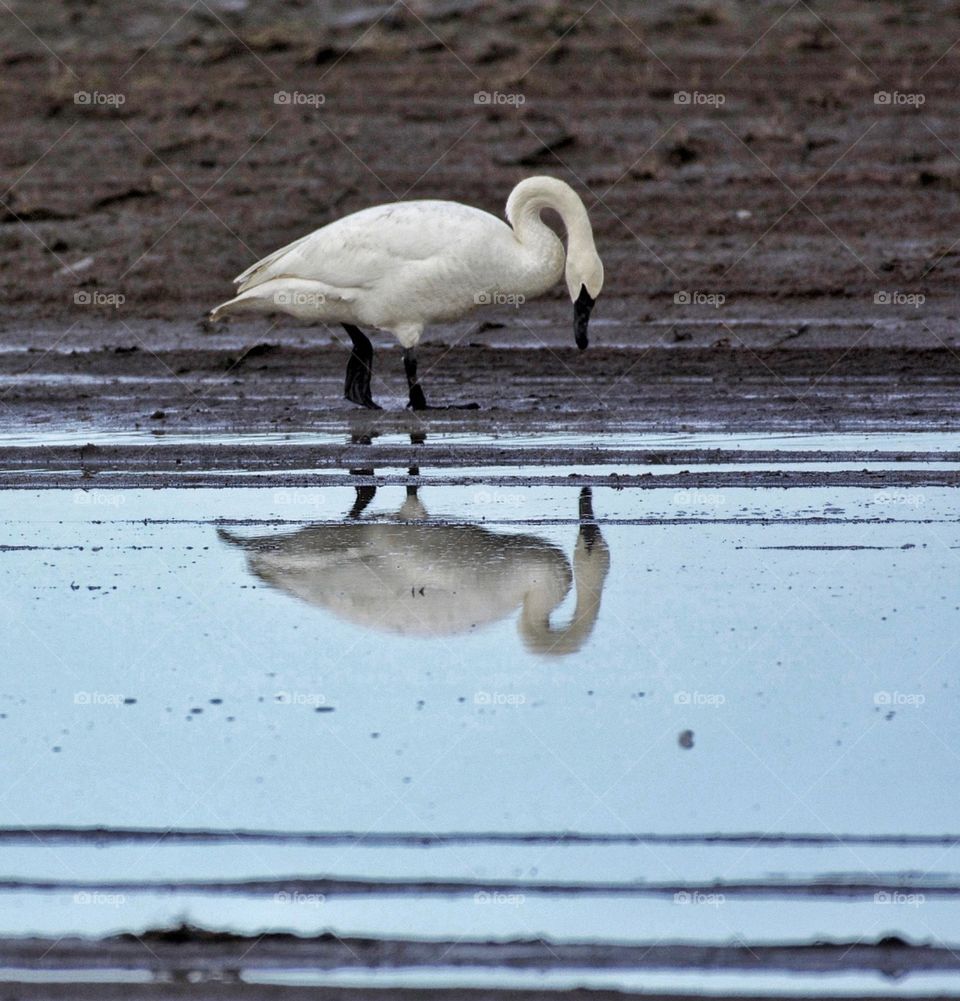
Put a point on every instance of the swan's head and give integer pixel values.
(584, 281)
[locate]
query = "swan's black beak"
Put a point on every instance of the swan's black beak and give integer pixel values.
(581, 317)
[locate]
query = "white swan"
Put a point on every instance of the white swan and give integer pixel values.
(401, 266)
(415, 578)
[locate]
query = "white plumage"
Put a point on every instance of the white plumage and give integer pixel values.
(402, 266)
(414, 577)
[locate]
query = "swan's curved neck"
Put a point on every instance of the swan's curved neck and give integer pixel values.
(590, 565)
(530, 197)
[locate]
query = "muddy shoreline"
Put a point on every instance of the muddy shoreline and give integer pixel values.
(785, 184)
(274, 387)
(824, 217)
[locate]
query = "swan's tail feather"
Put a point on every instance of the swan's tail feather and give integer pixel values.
(248, 278)
(299, 297)
(266, 298)
(219, 312)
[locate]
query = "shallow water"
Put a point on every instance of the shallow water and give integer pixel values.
(417, 621)
(903, 441)
(528, 661)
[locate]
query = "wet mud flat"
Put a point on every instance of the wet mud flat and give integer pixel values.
(799, 194)
(272, 386)
(223, 966)
(366, 451)
(820, 215)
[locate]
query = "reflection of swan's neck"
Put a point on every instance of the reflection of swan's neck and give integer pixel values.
(591, 561)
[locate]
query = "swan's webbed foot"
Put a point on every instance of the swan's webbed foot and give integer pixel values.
(356, 389)
(417, 400)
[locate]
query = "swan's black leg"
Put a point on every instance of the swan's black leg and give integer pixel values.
(364, 494)
(359, 369)
(589, 530)
(417, 400)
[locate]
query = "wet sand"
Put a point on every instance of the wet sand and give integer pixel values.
(221, 958)
(228, 992)
(272, 387)
(798, 199)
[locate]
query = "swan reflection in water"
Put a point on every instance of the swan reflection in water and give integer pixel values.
(413, 577)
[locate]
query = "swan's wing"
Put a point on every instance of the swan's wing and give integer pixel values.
(360, 249)
(245, 278)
